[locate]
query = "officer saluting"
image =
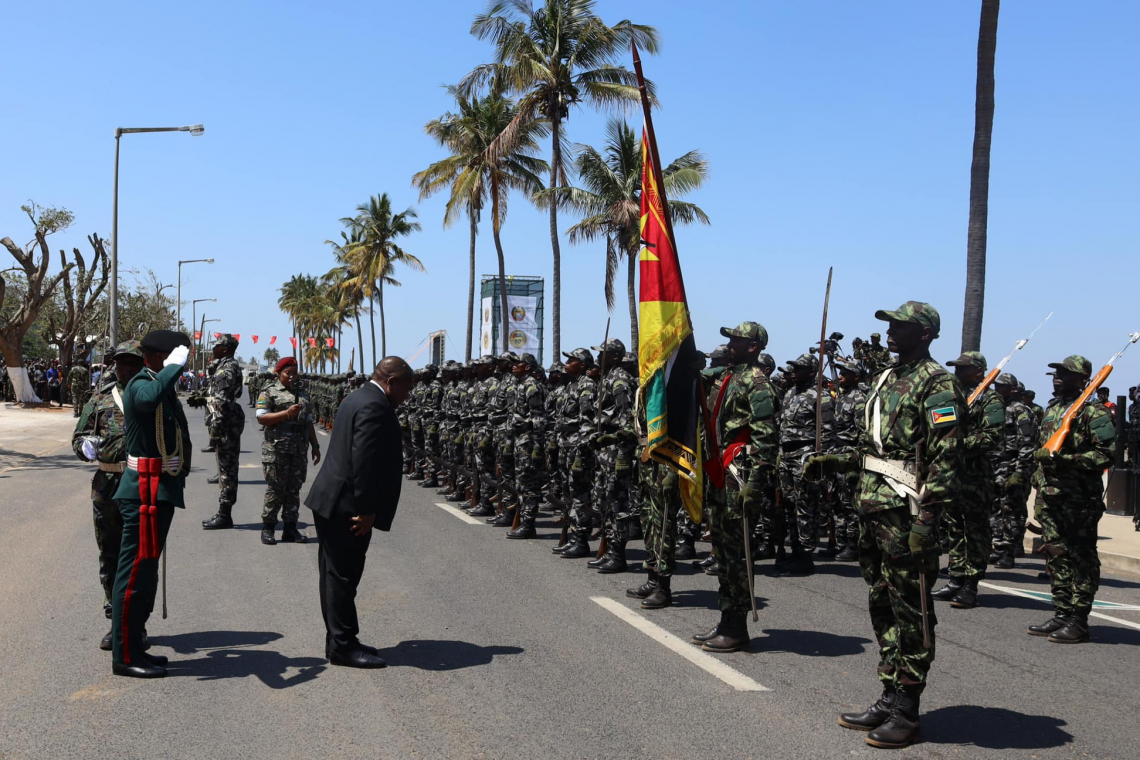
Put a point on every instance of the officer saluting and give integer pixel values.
(158, 458)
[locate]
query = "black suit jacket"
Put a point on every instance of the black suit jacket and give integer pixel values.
(361, 474)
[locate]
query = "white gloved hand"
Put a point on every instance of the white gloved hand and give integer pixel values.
(89, 450)
(178, 356)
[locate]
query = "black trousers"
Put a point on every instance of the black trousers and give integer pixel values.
(340, 560)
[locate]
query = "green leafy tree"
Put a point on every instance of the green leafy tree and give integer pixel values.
(271, 355)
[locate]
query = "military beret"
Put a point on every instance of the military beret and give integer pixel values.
(164, 341)
(581, 354)
(1075, 363)
(128, 348)
(915, 312)
(750, 330)
(970, 359)
(288, 361)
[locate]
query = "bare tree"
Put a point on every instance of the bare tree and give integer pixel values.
(78, 298)
(40, 290)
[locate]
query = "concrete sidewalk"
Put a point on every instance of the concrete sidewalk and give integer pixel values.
(1118, 544)
(26, 434)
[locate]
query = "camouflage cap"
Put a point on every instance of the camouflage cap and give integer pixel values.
(1021, 387)
(228, 341)
(430, 369)
(720, 353)
(556, 367)
(611, 346)
(970, 359)
(1075, 363)
(767, 361)
(508, 356)
(805, 360)
(850, 365)
(876, 335)
(1007, 379)
(529, 360)
(128, 348)
(629, 358)
(915, 312)
(581, 354)
(751, 330)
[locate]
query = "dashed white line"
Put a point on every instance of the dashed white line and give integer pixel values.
(1023, 595)
(458, 513)
(702, 660)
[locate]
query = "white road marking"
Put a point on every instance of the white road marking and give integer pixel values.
(1023, 595)
(701, 659)
(459, 513)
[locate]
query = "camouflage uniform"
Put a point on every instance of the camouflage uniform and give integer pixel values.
(660, 516)
(614, 474)
(79, 385)
(576, 415)
(283, 453)
(417, 421)
(1013, 469)
(530, 427)
(431, 415)
(918, 403)
(1070, 499)
(482, 436)
(227, 426)
(848, 407)
(555, 475)
(502, 409)
(874, 358)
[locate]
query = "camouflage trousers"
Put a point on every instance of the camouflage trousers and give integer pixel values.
(893, 597)
(613, 478)
(227, 443)
(659, 518)
(1069, 528)
(406, 439)
(505, 454)
(797, 511)
(108, 530)
(727, 510)
(419, 464)
(845, 486)
(580, 464)
(431, 446)
(530, 473)
(79, 396)
(483, 451)
(966, 522)
(284, 476)
(555, 475)
(1007, 521)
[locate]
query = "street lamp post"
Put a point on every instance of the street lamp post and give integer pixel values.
(194, 130)
(203, 344)
(178, 319)
(194, 314)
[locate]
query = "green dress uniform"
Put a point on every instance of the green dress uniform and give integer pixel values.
(150, 409)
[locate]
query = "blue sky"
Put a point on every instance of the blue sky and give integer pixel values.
(839, 133)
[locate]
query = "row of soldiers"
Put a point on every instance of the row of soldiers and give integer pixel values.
(325, 392)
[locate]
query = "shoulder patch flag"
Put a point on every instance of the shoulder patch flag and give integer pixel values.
(943, 416)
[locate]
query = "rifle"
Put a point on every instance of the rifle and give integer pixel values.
(603, 545)
(992, 375)
(1062, 432)
(819, 373)
(918, 476)
(474, 476)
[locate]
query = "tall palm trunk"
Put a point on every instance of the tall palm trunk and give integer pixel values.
(297, 338)
(980, 179)
(632, 258)
(556, 286)
(471, 281)
(383, 331)
(372, 326)
(339, 338)
(503, 314)
(359, 341)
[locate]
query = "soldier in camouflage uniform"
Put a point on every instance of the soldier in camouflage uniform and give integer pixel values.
(284, 411)
(556, 388)
(530, 429)
(576, 416)
(501, 418)
(211, 412)
(1070, 502)
(801, 498)
(1027, 398)
(966, 518)
(99, 437)
(404, 413)
(614, 443)
(714, 374)
(1013, 467)
(431, 415)
(745, 426)
(448, 419)
(912, 413)
(79, 385)
(418, 422)
(852, 395)
(874, 355)
(457, 401)
(227, 426)
(481, 438)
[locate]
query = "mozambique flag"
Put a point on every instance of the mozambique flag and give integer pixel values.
(670, 378)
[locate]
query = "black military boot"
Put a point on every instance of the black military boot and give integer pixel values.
(949, 591)
(579, 547)
(431, 481)
(712, 633)
(139, 670)
(483, 510)
(766, 551)
(801, 563)
(874, 716)
(290, 535)
(213, 479)
(712, 568)
(525, 529)
(661, 597)
(1054, 623)
(209, 449)
(504, 519)
(685, 549)
(267, 533)
(457, 496)
(645, 589)
(901, 727)
(416, 475)
(1075, 631)
(615, 559)
(733, 636)
(221, 520)
(849, 554)
(107, 642)
(597, 562)
(1005, 558)
(709, 560)
(967, 596)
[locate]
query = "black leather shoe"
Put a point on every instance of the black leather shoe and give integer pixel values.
(874, 716)
(685, 550)
(1005, 561)
(901, 728)
(766, 551)
(208, 450)
(661, 597)
(560, 548)
(645, 589)
(711, 569)
(267, 536)
(712, 633)
(213, 479)
(576, 550)
(416, 476)
(429, 483)
(849, 554)
(357, 658)
(613, 564)
(504, 520)
(1075, 631)
(483, 510)
(967, 597)
(456, 498)
(949, 591)
(709, 560)
(445, 491)
(799, 564)
(138, 671)
(157, 659)
(107, 643)
(290, 535)
(218, 522)
(733, 636)
(523, 531)
(597, 562)
(1055, 623)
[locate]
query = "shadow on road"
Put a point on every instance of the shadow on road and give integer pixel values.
(442, 655)
(809, 643)
(228, 655)
(707, 598)
(992, 728)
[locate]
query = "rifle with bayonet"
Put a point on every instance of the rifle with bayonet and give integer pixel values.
(603, 545)
(992, 375)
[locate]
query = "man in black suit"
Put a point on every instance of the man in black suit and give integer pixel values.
(355, 491)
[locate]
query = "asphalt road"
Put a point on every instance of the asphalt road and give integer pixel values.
(499, 649)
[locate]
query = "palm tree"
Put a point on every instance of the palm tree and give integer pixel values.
(296, 298)
(610, 202)
(374, 258)
(555, 56)
(351, 295)
(473, 173)
(980, 179)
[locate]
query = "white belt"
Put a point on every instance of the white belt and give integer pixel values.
(172, 463)
(900, 476)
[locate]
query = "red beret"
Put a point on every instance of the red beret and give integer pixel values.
(288, 361)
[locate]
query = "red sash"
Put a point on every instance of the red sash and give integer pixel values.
(149, 470)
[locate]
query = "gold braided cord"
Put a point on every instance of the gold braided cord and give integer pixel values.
(159, 432)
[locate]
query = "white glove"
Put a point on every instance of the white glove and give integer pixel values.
(89, 450)
(178, 356)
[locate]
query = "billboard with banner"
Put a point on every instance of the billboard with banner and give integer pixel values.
(523, 326)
